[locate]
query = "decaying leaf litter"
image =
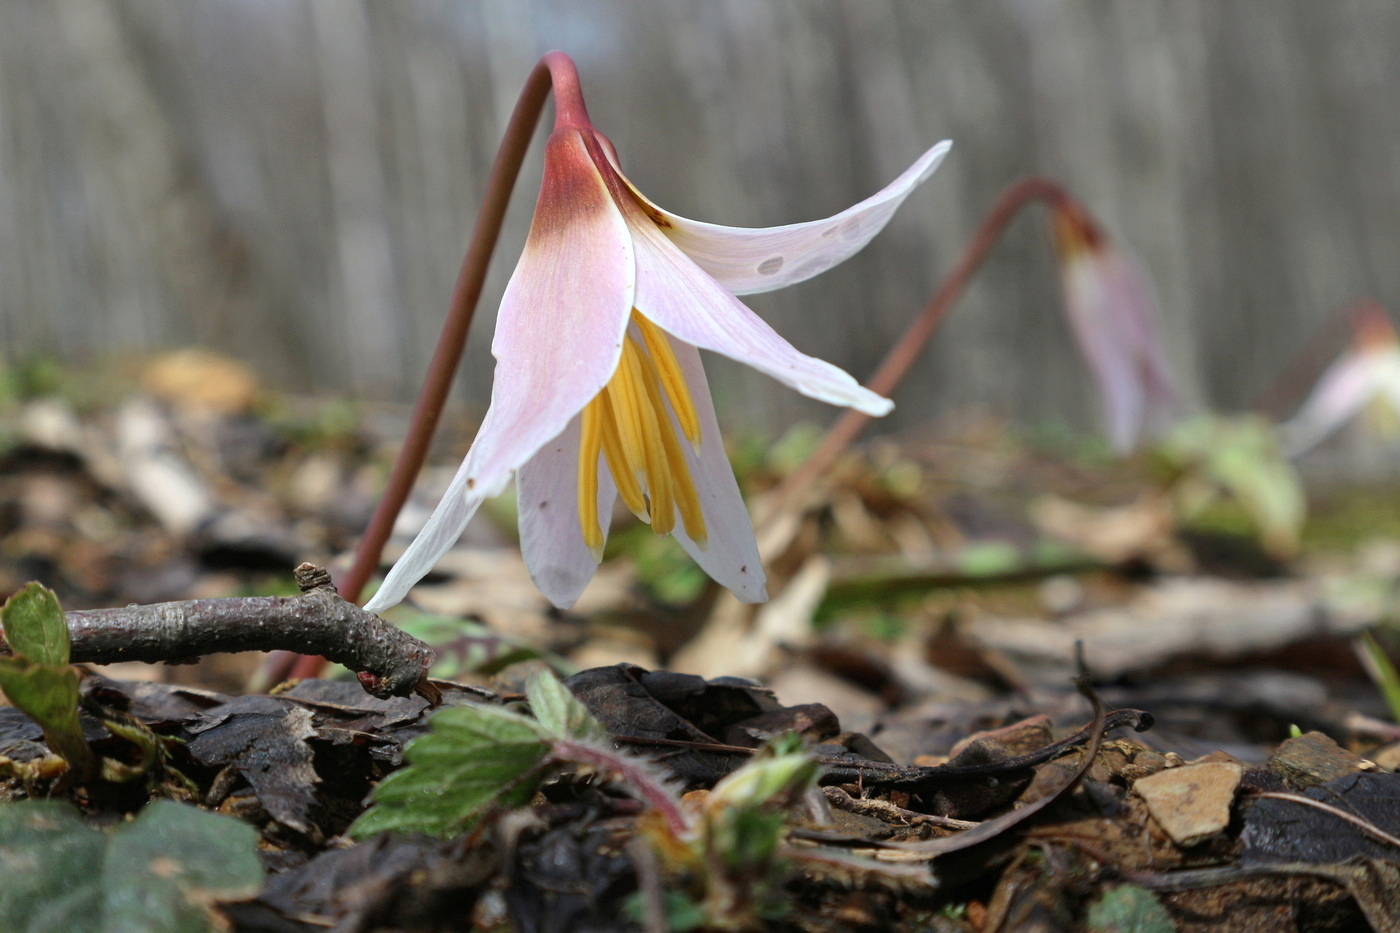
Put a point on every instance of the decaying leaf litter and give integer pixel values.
(921, 644)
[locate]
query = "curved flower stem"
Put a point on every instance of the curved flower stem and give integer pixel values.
(910, 345)
(555, 70)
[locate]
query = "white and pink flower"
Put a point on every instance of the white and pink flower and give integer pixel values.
(599, 391)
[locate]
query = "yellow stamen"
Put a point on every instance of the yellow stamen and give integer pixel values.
(630, 425)
(590, 443)
(626, 399)
(672, 378)
(663, 515)
(622, 472)
(682, 487)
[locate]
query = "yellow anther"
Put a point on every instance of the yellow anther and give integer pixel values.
(626, 399)
(682, 487)
(629, 424)
(622, 472)
(590, 443)
(663, 514)
(672, 377)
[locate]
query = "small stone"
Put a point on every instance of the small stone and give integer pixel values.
(1388, 757)
(1018, 738)
(1312, 759)
(1191, 803)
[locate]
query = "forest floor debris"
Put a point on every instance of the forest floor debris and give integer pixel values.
(921, 645)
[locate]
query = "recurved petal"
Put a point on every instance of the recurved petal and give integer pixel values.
(730, 555)
(683, 300)
(749, 260)
(558, 560)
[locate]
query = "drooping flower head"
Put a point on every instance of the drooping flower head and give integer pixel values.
(1366, 375)
(599, 391)
(1113, 317)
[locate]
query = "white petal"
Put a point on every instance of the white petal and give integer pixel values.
(442, 530)
(730, 556)
(558, 339)
(1342, 391)
(749, 260)
(687, 303)
(550, 537)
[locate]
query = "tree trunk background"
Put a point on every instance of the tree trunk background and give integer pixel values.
(294, 182)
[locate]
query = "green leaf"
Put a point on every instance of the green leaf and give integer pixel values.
(1382, 671)
(161, 874)
(52, 865)
(38, 681)
(1240, 458)
(779, 771)
(474, 757)
(165, 871)
(745, 813)
(49, 696)
(560, 712)
(990, 559)
(1129, 909)
(34, 626)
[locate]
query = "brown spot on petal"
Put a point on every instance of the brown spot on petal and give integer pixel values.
(471, 483)
(770, 265)
(660, 218)
(544, 504)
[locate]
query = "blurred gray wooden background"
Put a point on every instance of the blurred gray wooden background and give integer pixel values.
(293, 181)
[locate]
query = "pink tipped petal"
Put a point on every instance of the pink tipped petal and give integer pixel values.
(565, 309)
(687, 303)
(1112, 315)
(444, 527)
(1341, 392)
(558, 340)
(550, 538)
(750, 260)
(730, 555)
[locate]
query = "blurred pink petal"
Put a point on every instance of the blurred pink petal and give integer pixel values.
(599, 256)
(1369, 371)
(1113, 317)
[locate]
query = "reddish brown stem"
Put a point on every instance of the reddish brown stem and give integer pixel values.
(910, 345)
(554, 70)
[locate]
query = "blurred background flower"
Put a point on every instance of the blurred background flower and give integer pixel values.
(1364, 380)
(293, 182)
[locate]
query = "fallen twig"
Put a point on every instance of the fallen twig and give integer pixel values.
(318, 622)
(1361, 823)
(915, 778)
(990, 829)
(885, 810)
